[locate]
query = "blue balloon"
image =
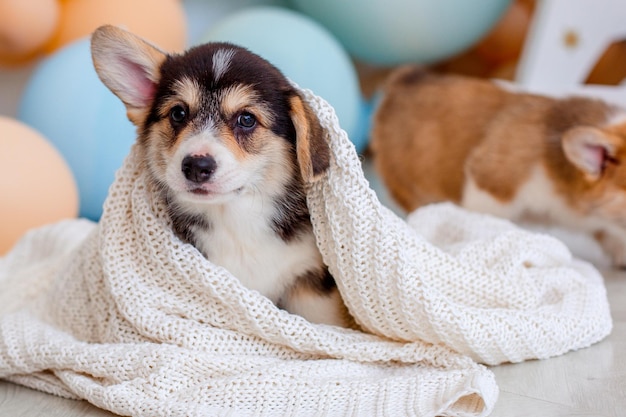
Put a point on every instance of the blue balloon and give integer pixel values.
(201, 14)
(362, 136)
(66, 101)
(391, 32)
(304, 51)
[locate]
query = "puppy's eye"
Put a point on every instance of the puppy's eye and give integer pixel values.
(246, 120)
(178, 114)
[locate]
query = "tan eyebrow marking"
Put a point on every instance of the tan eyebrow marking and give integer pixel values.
(244, 97)
(186, 91)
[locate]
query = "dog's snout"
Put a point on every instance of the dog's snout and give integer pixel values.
(198, 168)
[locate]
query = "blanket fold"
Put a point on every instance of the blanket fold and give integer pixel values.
(126, 316)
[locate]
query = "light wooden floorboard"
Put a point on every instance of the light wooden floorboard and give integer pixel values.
(17, 401)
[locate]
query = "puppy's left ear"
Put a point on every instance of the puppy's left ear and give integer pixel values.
(312, 149)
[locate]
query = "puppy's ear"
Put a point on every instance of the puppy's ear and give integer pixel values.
(311, 148)
(589, 149)
(128, 66)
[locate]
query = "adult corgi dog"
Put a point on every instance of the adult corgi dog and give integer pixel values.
(528, 158)
(229, 143)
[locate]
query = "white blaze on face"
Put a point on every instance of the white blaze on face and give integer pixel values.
(221, 62)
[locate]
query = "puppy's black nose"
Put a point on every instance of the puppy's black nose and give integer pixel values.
(198, 168)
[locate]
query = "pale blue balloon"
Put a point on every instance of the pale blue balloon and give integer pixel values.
(202, 14)
(304, 51)
(69, 105)
(391, 32)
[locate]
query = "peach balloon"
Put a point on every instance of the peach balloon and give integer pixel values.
(25, 26)
(36, 184)
(162, 22)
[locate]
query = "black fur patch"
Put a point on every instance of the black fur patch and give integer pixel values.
(319, 280)
(185, 223)
(291, 217)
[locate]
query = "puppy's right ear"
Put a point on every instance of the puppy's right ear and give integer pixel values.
(128, 66)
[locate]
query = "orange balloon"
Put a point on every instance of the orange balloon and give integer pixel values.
(162, 22)
(506, 40)
(25, 26)
(36, 185)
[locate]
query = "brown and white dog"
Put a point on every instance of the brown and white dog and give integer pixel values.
(528, 158)
(229, 143)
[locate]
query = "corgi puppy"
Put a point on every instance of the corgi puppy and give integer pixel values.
(528, 158)
(229, 144)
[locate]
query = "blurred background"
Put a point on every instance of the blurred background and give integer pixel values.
(63, 134)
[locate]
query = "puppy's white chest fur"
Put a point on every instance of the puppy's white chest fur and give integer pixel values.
(241, 239)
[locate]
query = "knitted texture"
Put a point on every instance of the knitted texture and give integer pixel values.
(125, 315)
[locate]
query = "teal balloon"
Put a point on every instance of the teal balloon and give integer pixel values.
(390, 32)
(304, 51)
(65, 100)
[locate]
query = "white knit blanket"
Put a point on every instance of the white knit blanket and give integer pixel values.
(126, 316)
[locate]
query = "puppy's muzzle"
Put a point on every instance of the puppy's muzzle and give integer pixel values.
(198, 169)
